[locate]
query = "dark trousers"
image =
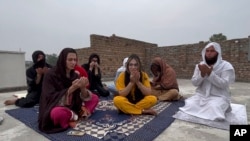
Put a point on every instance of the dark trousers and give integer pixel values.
(100, 91)
(30, 100)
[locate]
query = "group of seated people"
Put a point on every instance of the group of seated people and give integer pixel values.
(69, 92)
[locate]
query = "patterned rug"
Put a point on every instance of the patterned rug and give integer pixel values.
(107, 124)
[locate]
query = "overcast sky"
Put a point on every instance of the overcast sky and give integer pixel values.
(51, 25)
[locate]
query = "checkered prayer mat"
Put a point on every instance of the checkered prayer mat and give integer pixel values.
(107, 124)
(109, 121)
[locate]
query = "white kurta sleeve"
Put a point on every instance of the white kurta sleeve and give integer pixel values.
(221, 81)
(196, 78)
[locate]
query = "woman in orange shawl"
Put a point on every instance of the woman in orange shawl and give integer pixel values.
(164, 84)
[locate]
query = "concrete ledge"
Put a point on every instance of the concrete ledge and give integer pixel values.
(11, 89)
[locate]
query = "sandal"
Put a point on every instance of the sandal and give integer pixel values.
(84, 113)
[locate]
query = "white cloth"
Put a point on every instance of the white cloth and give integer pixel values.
(212, 96)
(112, 87)
(121, 69)
(238, 116)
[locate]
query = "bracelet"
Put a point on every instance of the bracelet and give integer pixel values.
(87, 98)
(81, 96)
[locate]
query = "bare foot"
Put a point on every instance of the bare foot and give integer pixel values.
(10, 102)
(84, 113)
(72, 124)
(178, 97)
(149, 112)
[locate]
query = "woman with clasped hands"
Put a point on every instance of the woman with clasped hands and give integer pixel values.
(65, 98)
(134, 90)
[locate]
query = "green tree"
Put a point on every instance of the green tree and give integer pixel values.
(51, 59)
(218, 37)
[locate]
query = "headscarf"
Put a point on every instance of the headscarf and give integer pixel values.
(167, 78)
(81, 70)
(55, 86)
(123, 67)
(87, 65)
(94, 55)
(40, 63)
(35, 55)
(93, 78)
(220, 65)
(61, 62)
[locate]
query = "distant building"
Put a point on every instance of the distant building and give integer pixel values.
(12, 71)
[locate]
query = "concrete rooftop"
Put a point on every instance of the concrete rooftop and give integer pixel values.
(14, 130)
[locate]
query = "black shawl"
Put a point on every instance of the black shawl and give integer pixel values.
(55, 86)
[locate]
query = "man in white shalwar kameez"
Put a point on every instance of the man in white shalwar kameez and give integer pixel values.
(212, 78)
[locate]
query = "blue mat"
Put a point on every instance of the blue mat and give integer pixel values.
(106, 124)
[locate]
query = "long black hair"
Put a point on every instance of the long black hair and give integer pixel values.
(137, 94)
(61, 65)
(94, 55)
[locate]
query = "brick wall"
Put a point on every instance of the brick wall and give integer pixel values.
(112, 50)
(182, 58)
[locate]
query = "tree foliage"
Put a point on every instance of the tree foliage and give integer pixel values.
(51, 59)
(218, 37)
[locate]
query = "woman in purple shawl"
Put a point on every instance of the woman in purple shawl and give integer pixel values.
(64, 95)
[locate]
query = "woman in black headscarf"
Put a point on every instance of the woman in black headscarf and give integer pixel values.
(95, 76)
(34, 76)
(64, 95)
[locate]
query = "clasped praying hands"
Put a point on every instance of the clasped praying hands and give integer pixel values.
(41, 71)
(205, 70)
(135, 76)
(80, 83)
(93, 65)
